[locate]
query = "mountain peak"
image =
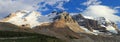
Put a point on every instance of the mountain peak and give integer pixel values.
(23, 17)
(66, 17)
(76, 23)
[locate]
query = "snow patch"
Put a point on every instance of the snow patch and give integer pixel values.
(95, 32)
(86, 30)
(111, 29)
(102, 25)
(88, 17)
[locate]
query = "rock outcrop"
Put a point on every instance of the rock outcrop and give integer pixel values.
(66, 19)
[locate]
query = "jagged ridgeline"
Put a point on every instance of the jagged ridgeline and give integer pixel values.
(60, 27)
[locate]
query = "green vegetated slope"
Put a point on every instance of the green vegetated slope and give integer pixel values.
(97, 38)
(13, 33)
(8, 36)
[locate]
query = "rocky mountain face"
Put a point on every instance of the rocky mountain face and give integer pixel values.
(64, 27)
(76, 23)
(71, 28)
(100, 24)
(66, 19)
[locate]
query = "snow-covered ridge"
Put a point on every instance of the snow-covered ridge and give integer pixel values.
(29, 18)
(94, 22)
(109, 25)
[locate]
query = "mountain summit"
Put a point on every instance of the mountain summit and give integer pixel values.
(76, 23)
(62, 25)
(27, 18)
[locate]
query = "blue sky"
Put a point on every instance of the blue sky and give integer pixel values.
(72, 6)
(76, 6)
(47, 6)
(97, 8)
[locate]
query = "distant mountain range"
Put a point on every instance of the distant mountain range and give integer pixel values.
(62, 25)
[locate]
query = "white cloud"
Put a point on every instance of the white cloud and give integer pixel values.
(74, 13)
(79, 9)
(92, 2)
(8, 6)
(116, 7)
(60, 6)
(54, 2)
(45, 9)
(102, 11)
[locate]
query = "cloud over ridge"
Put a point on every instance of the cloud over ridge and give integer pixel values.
(102, 11)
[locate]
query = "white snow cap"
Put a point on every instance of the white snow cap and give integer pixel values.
(31, 18)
